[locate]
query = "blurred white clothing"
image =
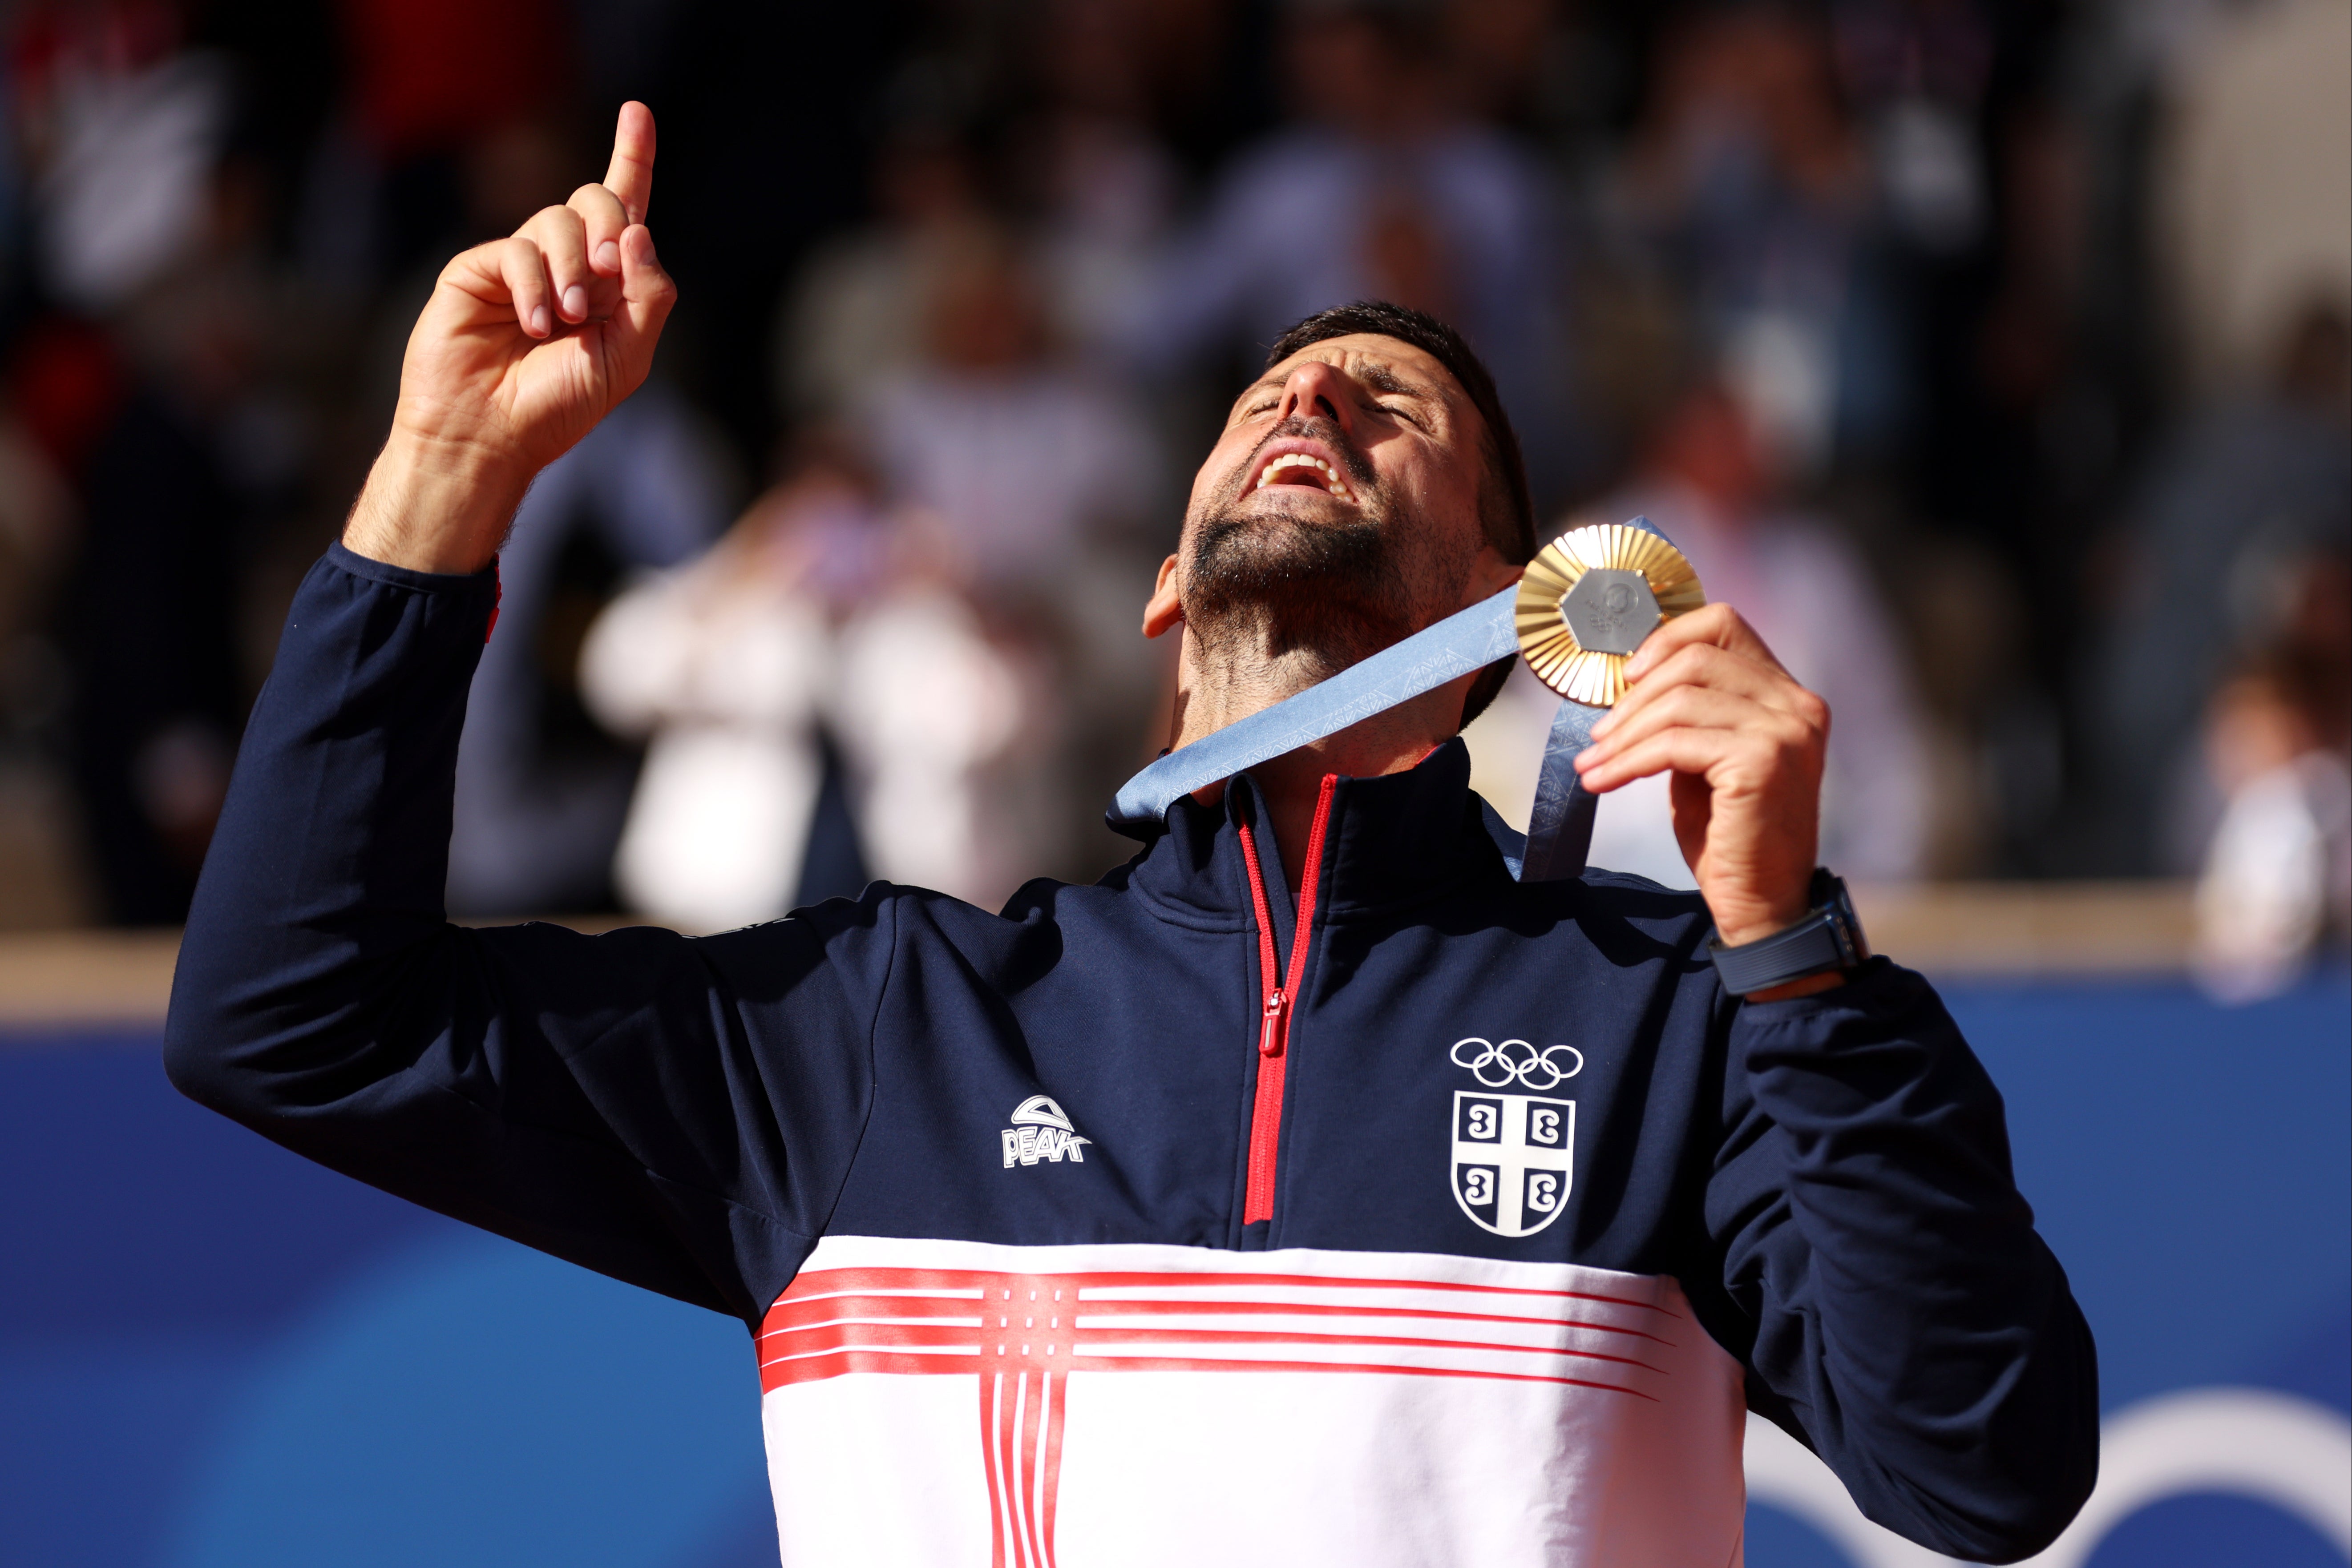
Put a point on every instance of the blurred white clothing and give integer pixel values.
(923, 705)
(730, 675)
(728, 686)
(124, 197)
(2279, 867)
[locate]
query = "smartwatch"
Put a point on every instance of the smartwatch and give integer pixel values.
(1829, 937)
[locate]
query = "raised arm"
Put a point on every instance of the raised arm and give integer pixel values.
(677, 1113)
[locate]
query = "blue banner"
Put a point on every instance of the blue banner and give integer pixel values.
(213, 1354)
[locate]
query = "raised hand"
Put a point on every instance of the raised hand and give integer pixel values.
(1746, 745)
(526, 343)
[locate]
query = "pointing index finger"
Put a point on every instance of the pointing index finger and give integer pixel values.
(631, 176)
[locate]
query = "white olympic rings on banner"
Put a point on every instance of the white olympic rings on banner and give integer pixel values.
(1516, 1060)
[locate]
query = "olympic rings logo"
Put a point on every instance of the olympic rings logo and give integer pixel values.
(1496, 1065)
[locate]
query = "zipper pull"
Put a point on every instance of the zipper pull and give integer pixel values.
(1269, 1037)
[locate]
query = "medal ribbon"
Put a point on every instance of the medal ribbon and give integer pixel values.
(1560, 828)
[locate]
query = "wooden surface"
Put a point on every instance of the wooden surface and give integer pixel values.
(1958, 930)
(2030, 928)
(86, 976)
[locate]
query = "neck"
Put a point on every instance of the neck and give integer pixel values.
(1238, 676)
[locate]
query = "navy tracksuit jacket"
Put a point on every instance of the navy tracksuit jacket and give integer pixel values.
(1458, 1221)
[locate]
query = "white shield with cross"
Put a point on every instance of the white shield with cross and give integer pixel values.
(1511, 1159)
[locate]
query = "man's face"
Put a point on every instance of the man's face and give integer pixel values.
(1339, 512)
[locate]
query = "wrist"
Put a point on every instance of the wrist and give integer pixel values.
(433, 504)
(1810, 954)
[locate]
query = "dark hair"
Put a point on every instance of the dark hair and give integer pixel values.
(1506, 510)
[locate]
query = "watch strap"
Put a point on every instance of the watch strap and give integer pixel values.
(1828, 937)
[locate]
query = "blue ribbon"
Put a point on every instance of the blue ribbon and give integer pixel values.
(1560, 828)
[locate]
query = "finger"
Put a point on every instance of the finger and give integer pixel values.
(1683, 748)
(1699, 706)
(1718, 624)
(522, 271)
(1721, 669)
(605, 216)
(647, 296)
(562, 239)
(630, 177)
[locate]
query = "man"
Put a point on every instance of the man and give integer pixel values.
(1307, 1191)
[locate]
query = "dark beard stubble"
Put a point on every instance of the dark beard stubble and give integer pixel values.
(1335, 591)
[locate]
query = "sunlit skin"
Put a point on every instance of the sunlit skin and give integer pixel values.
(528, 341)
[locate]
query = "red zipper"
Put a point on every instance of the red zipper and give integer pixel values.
(1281, 995)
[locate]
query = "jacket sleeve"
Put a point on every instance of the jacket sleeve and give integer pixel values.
(676, 1114)
(1907, 1324)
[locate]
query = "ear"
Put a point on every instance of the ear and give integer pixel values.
(1163, 612)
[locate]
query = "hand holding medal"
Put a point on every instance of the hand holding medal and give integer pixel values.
(1703, 698)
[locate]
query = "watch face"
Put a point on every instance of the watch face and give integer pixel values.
(1847, 925)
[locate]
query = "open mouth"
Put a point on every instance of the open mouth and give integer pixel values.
(1303, 468)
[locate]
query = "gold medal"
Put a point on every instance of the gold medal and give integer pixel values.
(1588, 599)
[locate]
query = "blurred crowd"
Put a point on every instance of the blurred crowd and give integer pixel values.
(1994, 357)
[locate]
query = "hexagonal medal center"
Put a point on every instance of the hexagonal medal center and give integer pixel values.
(1611, 609)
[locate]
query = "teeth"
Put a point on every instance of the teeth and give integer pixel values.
(1330, 475)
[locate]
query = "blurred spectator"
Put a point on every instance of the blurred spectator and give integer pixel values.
(1101, 185)
(856, 316)
(1708, 482)
(42, 874)
(2251, 489)
(1044, 479)
(1752, 187)
(540, 797)
(1381, 189)
(1915, 71)
(1916, 241)
(1024, 459)
(2277, 876)
(434, 78)
(146, 614)
(120, 125)
(154, 406)
(818, 613)
(2257, 184)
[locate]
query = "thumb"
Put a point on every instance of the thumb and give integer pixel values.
(647, 296)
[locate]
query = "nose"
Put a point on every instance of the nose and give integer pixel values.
(1316, 390)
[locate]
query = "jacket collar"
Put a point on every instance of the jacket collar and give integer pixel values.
(1391, 839)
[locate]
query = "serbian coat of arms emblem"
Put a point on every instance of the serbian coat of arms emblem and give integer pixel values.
(1513, 1153)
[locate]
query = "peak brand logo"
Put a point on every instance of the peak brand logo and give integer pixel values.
(1041, 1130)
